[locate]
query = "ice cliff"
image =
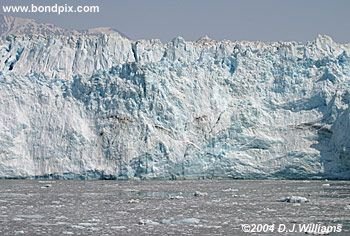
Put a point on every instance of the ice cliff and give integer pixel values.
(95, 104)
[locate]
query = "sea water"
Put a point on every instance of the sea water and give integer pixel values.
(201, 207)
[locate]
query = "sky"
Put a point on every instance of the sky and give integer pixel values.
(264, 20)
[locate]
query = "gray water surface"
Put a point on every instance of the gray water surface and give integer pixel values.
(32, 207)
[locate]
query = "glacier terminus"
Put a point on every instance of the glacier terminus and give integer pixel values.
(94, 104)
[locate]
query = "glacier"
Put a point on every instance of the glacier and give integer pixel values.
(96, 105)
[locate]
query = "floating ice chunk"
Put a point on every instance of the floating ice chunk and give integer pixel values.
(87, 224)
(134, 201)
(147, 222)
(78, 227)
(317, 233)
(67, 233)
(19, 232)
(230, 190)
(294, 199)
(200, 194)
(176, 197)
(191, 221)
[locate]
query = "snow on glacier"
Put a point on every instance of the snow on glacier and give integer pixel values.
(96, 104)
